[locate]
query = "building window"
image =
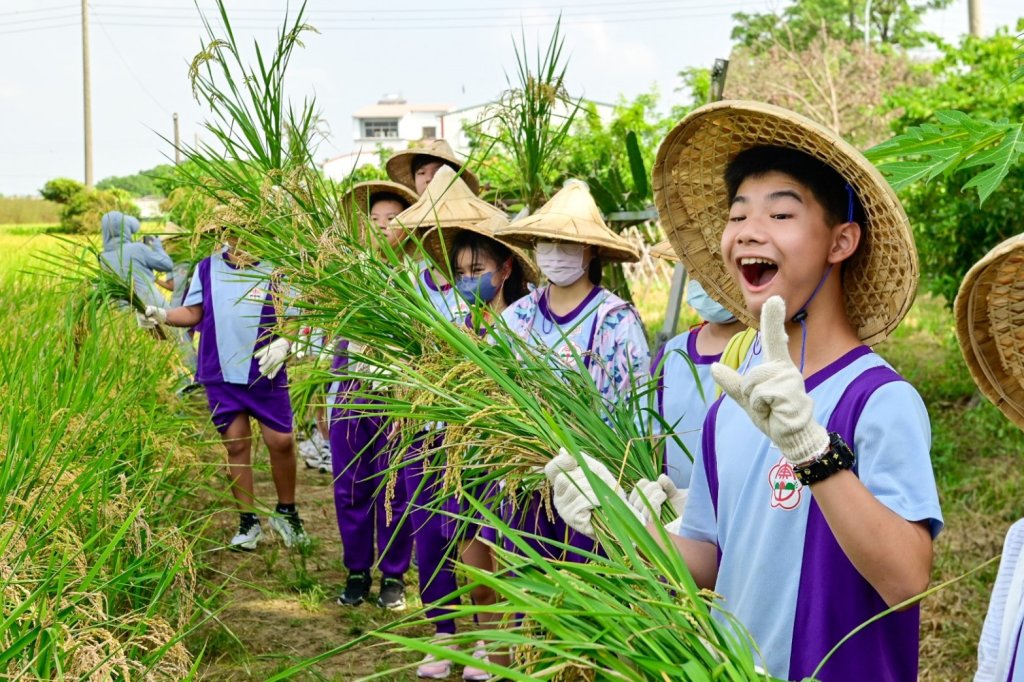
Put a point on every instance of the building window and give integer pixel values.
(380, 127)
(430, 132)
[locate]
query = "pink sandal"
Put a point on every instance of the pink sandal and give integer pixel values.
(473, 674)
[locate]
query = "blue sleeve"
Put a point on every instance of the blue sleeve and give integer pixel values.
(892, 444)
(699, 519)
(157, 258)
(194, 295)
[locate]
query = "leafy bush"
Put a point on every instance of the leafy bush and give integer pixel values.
(82, 213)
(60, 190)
(185, 207)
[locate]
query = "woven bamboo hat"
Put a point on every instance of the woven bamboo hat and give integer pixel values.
(447, 201)
(399, 166)
(989, 311)
(571, 216)
(664, 251)
(879, 281)
(433, 240)
(360, 195)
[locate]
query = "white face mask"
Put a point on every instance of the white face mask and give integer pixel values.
(561, 263)
(709, 309)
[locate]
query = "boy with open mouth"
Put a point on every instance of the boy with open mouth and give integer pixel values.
(812, 506)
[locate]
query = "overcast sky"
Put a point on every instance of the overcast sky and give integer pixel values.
(454, 52)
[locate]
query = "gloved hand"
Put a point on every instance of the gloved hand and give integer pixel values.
(572, 493)
(155, 314)
(145, 322)
(773, 393)
(657, 493)
(272, 356)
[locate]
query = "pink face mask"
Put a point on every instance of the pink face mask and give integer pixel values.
(561, 263)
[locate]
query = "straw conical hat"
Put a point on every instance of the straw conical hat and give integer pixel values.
(432, 244)
(447, 201)
(664, 251)
(571, 216)
(360, 195)
(879, 281)
(989, 312)
(399, 166)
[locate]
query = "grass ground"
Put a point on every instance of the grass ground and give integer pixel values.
(277, 607)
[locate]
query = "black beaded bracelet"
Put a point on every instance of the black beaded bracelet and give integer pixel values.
(838, 457)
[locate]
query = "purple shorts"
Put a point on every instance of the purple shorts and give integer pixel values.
(269, 405)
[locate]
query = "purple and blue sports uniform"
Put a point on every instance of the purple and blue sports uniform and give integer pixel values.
(238, 319)
(781, 571)
(682, 402)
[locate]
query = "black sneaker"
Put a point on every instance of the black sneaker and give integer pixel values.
(392, 594)
(357, 589)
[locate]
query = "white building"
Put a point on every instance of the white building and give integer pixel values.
(393, 123)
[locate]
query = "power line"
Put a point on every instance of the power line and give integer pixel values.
(37, 10)
(128, 66)
(406, 12)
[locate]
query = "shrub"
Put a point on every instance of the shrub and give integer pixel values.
(82, 213)
(61, 190)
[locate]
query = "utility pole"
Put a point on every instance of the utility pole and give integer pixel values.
(177, 142)
(974, 17)
(87, 96)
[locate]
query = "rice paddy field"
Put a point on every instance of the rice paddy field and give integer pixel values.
(111, 564)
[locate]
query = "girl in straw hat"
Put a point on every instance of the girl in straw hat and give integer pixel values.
(489, 274)
(813, 505)
(415, 167)
(359, 445)
(581, 324)
(988, 325)
(446, 208)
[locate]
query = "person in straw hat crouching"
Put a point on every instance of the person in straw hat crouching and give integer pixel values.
(990, 329)
(813, 504)
(579, 323)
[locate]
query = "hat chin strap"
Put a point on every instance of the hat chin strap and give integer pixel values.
(801, 316)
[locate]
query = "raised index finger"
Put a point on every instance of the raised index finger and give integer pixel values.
(773, 329)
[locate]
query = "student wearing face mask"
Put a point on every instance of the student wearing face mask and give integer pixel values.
(489, 274)
(582, 325)
(448, 208)
(446, 201)
(682, 402)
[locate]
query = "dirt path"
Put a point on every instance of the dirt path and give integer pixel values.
(281, 607)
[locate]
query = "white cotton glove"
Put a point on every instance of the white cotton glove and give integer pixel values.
(572, 493)
(773, 393)
(154, 314)
(145, 322)
(657, 493)
(272, 356)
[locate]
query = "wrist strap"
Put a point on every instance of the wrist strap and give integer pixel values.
(838, 457)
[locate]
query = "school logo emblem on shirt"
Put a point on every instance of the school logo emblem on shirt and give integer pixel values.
(785, 486)
(257, 295)
(566, 351)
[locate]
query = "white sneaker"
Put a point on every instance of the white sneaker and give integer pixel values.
(324, 463)
(289, 527)
(247, 538)
(309, 450)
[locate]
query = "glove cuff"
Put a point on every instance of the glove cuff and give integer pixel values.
(806, 444)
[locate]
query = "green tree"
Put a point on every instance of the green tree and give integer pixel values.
(980, 147)
(152, 182)
(60, 190)
(893, 22)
